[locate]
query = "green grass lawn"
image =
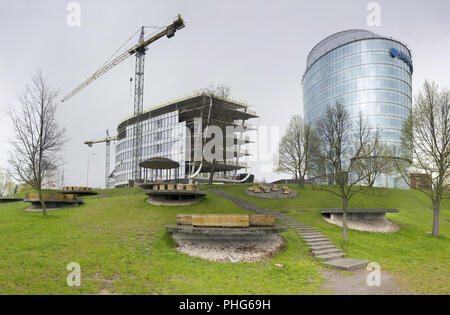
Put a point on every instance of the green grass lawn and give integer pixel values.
(122, 247)
(109, 192)
(419, 261)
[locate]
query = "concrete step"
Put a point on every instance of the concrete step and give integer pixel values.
(319, 243)
(314, 238)
(321, 247)
(309, 237)
(315, 235)
(326, 251)
(309, 233)
(329, 256)
(347, 263)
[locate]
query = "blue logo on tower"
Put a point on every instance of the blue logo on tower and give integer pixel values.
(402, 56)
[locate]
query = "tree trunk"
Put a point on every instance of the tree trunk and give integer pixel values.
(371, 181)
(41, 199)
(344, 219)
(436, 205)
(301, 181)
(211, 175)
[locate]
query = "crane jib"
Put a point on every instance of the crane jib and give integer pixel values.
(169, 31)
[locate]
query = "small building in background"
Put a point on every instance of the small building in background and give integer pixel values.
(420, 181)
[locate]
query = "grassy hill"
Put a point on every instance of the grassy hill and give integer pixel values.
(419, 260)
(122, 247)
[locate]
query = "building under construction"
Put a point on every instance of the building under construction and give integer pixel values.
(168, 131)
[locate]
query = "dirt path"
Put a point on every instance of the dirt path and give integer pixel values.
(356, 283)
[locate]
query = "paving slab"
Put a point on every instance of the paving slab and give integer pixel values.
(347, 263)
(310, 234)
(329, 256)
(326, 251)
(320, 247)
(321, 243)
(314, 238)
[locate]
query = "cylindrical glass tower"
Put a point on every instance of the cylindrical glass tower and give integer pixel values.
(367, 73)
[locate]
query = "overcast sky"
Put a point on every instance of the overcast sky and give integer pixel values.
(258, 48)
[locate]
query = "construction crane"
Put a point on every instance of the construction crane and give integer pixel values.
(138, 50)
(107, 140)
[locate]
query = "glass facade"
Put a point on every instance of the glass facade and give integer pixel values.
(362, 75)
(162, 136)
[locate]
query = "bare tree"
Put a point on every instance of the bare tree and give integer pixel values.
(346, 143)
(298, 149)
(426, 145)
(220, 92)
(379, 163)
(37, 135)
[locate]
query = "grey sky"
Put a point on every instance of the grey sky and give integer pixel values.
(258, 48)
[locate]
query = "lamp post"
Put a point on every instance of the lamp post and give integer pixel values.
(87, 171)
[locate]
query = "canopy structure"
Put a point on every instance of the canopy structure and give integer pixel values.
(159, 163)
(162, 170)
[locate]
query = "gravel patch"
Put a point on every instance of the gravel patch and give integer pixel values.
(384, 226)
(230, 250)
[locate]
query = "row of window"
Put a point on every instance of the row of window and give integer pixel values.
(373, 109)
(157, 149)
(160, 122)
(358, 47)
(382, 58)
(361, 97)
(366, 85)
(356, 72)
(172, 132)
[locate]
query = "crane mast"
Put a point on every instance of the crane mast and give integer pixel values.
(139, 50)
(107, 141)
(107, 161)
(138, 107)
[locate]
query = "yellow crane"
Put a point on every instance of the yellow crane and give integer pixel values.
(107, 140)
(139, 51)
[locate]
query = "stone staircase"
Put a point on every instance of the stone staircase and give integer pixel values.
(319, 245)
